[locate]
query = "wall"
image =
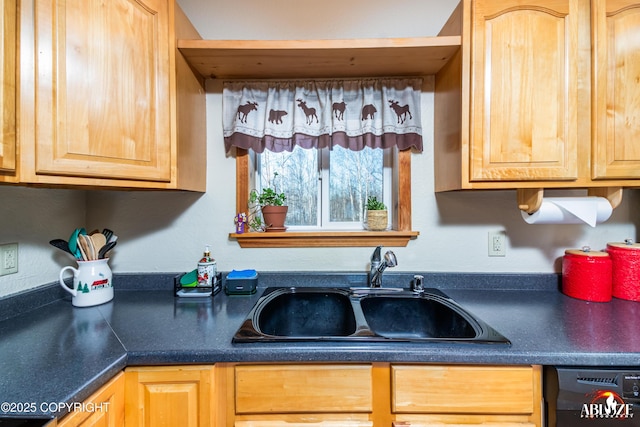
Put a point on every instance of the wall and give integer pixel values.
(166, 231)
(32, 217)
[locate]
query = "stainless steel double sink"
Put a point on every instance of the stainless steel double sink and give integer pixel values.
(361, 314)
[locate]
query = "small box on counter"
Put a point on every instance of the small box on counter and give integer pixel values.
(241, 282)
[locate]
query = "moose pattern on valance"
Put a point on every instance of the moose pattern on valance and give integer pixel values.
(353, 114)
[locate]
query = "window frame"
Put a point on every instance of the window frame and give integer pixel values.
(399, 235)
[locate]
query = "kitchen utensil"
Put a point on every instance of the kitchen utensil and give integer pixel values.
(73, 242)
(102, 253)
(86, 247)
(107, 233)
(91, 282)
(61, 244)
(113, 238)
(98, 241)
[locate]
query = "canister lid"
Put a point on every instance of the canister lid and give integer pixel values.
(627, 244)
(586, 251)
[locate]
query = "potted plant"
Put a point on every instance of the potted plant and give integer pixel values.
(274, 211)
(376, 215)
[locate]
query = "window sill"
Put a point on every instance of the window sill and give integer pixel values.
(324, 239)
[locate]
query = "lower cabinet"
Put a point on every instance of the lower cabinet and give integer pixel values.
(169, 396)
(302, 395)
(436, 395)
(319, 395)
(104, 408)
(381, 395)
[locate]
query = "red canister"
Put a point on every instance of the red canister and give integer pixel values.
(586, 275)
(625, 258)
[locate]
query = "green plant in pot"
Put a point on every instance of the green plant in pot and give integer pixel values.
(271, 204)
(376, 215)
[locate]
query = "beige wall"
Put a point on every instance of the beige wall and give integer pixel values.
(166, 231)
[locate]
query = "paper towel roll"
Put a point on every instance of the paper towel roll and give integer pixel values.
(571, 210)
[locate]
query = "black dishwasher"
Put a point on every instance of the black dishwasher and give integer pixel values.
(592, 397)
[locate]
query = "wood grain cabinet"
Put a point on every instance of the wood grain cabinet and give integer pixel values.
(170, 396)
(104, 408)
(296, 395)
(380, 395)
(105, 98)
(616, 89)
(519, 105)
(8, 20)
(497, 396)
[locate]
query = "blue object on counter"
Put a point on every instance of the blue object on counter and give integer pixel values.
(241, 282)
(242, 274)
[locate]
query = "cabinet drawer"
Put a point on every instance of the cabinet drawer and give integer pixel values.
(303, 388)
(462, 389)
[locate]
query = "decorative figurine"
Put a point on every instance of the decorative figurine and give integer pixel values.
(240, 220)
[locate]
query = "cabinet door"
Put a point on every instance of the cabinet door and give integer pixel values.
(102, 89)
(169, 396)
(8, 86)
(264, 389)
(105, 408)
(307, 422)
(616, 89)
(524, 90)
(464, 423)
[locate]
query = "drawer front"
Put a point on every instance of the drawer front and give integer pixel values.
(303, 388)
(313, 423)
(462, 389)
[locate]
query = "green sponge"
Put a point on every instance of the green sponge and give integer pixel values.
(189, 280)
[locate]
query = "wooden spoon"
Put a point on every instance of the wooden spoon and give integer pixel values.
(81, 249)
(98, 241)
(86, 245)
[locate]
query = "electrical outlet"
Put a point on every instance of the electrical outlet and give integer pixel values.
(8, 258)
(497, 243)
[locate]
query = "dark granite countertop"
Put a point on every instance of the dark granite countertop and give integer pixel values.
(58, 353)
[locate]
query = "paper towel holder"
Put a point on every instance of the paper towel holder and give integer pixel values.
(530, 199)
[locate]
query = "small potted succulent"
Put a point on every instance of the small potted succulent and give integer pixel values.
(376, 215)
(274, 211)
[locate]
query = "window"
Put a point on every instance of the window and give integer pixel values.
(327, 189)
(399, 235)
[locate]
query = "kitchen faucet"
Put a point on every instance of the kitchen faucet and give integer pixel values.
(378, 266)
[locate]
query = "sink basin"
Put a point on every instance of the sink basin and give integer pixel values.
(300, 313)
(361, 314)
(415, 317)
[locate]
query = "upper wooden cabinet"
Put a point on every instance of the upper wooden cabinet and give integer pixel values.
(8, 20)
(523, 90)
(514, 108)
(616, 88)
(106, 100)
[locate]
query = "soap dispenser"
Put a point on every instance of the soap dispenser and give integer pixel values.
(206, 269)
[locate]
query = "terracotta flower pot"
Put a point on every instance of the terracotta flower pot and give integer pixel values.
(274, 217)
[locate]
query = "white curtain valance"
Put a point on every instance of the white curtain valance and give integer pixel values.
(278, 115)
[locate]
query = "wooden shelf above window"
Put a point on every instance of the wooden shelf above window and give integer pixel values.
(296, 239)
(267, 59)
